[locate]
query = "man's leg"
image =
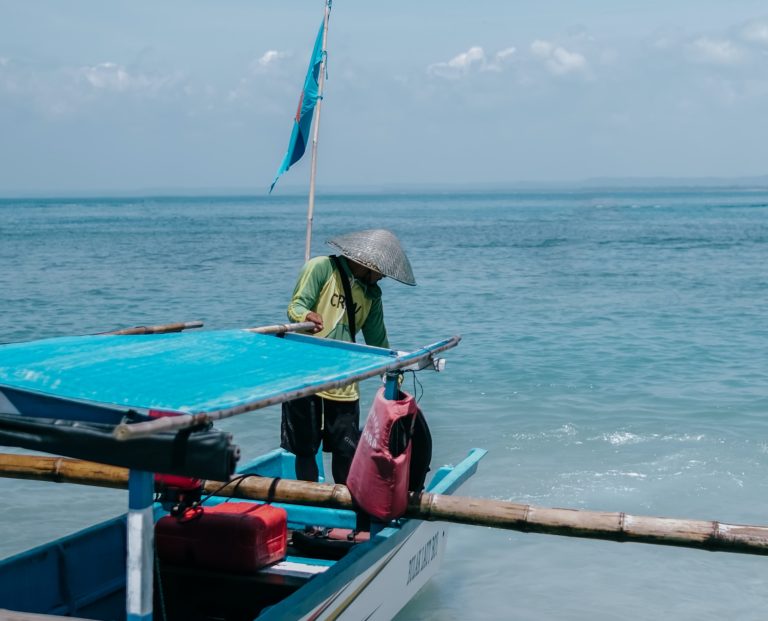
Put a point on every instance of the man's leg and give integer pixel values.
(300, 434)
(340, 436)
(340, 467)
(306, 468)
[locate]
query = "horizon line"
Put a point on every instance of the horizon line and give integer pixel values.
(756, 182)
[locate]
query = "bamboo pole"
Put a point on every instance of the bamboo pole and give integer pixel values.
(315, 134)
(62, 470)
(282, 328)
(161, 329)
(622, 527)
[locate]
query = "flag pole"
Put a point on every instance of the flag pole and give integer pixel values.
(315, 134)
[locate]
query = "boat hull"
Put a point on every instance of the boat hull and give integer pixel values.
(385, 586)
(83, 574)
(377, 579)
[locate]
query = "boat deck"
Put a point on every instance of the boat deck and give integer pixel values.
(185, 593)
(295, 570)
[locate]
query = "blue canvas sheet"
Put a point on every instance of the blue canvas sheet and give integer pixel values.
(188, 372)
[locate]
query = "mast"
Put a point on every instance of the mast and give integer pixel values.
(315, 134)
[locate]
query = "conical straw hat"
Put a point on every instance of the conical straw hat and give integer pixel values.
(377, 249)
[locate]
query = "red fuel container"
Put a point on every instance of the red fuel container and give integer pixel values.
(233, 537)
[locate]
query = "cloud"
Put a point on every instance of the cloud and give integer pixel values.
(501, 58)
(111, 77)
(458, 65)
(558, 60)
(108, 76)
(715, 51)
(66, 91)
(270, 57)
(506, 53)
(474, 59)
(756, 32)
(267, 65)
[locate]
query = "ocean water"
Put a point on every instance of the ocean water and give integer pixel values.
(614, 357)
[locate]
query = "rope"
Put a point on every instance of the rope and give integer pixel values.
(161, 595)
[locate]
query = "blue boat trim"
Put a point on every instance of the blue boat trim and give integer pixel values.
(38, 405)
(68, 572)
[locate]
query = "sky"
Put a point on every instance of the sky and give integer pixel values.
(139, 96)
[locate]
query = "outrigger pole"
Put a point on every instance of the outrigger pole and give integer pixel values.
(315, 134)
(708, 535)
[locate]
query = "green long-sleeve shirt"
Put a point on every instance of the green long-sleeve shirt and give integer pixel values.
(319, 289)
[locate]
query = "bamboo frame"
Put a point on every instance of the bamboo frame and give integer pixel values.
(282, 328)
(161, 329)
(699, 534)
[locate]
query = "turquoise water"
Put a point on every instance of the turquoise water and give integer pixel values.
(614, 357)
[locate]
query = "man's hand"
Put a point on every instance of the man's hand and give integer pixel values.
(315, 319)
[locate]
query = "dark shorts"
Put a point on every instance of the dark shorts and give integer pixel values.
(309, 420)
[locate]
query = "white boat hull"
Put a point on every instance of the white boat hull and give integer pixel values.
(386, 586)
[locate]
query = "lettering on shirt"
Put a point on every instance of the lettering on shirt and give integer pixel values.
(339, 300)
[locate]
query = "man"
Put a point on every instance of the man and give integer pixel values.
(321, 296)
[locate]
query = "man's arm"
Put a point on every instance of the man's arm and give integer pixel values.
(310, 283)
(374, 330)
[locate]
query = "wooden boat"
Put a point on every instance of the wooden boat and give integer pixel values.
(203, 377)
(83, 575)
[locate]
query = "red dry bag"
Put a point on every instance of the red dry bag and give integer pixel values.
(378, 477)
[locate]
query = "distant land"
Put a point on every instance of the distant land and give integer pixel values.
(289, 190)
(673, 182)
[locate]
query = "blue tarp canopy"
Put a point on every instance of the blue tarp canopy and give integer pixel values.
(191, 372)
(83, 396)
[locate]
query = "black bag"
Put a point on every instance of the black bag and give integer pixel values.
(421, 453)
(417, 432)
(201, 453)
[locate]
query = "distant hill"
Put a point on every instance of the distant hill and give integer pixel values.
(666, 182)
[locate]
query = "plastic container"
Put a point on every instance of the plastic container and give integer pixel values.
(238, 537)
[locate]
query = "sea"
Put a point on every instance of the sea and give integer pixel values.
(614, 357)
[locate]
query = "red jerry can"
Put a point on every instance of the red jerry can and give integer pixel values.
(238, 537)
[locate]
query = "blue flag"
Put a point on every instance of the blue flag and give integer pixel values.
(303, 120)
